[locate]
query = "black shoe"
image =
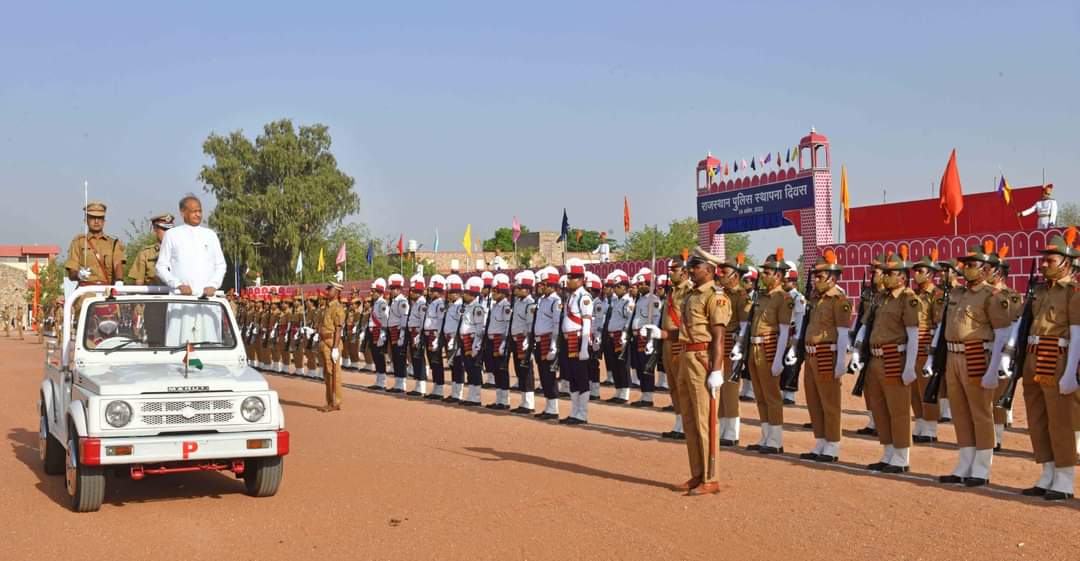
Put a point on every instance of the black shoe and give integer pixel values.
(945, 420)
(635, 386)
(728, 443)
(769, 450)
(1057, 496)
(376, 387)
(523, 411)
(615, 400)
(809, 456)
(641, 403)
(876, 466)
(753, 447)
(867, 431)
(395, 390)
(950, 479)
(808, 425)
(564, 394)
(1034, 492)
(413, 393)
(894, 469)
(975, 482)
(594, 397)
(546, 416)
(501, 407)
(997, 447)
(920, 439)
(487, 386)
(668, 408)
(572, 421)
(745, 398)
(470, 404)
(607, 383)
(491, 406)
(826, 459)
(789, 402)
(451, 399)
(433, 396)
(673, 435)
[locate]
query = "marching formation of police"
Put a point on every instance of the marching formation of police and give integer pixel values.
(937, 340)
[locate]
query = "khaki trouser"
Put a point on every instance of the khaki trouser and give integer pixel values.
(354, 351)
(1050, 416)
(694, 400)
(972, 405)
(310, 356)
(263, 350)
(924, 411)
(331, 373)
(770, 403)
(729, 391)
(890, 401)
(823, 395)
(298, 355)
(671, 366)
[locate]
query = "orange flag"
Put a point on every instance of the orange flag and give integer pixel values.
(952, 198)
(844, 201)
(626, 214)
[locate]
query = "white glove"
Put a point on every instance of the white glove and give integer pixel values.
(524, 344)
(84, 274)
(595, 342)
(908, 376)
(335, 355)
(554, 352)
(715, 380)
(401, 339)
(450, 344)
(650, 331)
(622, 338)
(736, 353)
(649, 347)
(502, 347)
(839, 369)
(778, 359)
(583, 354)
(476, 346)
(928, 368)
(118, 283)
(361, 338)
(416, 340)
(1068, 383)
(790, 359)
(1006, 366)
(435, 344)
(989, 380)
(856, 361)
(382, 339)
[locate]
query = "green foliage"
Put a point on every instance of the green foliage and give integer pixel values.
(1069, 215)
(681, 234)
(503, 240)
(51, 277)
(138, 235)
(276, 196)
(590, 239)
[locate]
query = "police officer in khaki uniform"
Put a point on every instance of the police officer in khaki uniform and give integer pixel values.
(931, 303)
(671, 347)
(311, 348)
(143, 270)
(768, 336)
(729, 275)
(826, 344)
(891, 365)
(700, 373)
(95, 258)
(1050, 373)
(330, 324)
(976, 331)
(1000, 273)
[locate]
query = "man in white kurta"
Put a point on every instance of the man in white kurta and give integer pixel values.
(1046, 208)
(191, 262)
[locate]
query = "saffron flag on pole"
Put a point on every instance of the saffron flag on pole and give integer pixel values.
(401, 245)
(516, 227)
(952, 196)
(322, 261)
(844, 200)
(1005, 190)
(466, 240)
(340, 255)
(626, 214)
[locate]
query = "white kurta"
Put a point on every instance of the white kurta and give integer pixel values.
(191, 255)
(1047, 209)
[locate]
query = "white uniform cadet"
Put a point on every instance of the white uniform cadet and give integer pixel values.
(414, 337)
(522, 324)
(473, 321)
(433, 329)
(378, 321)
(548, 310)
(1047, 209)
(398, 324)
(576, 330)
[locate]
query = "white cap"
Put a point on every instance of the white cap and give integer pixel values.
(474, 285)
(488, 278)
(437, 282)
(396, 280)
(501, 281)
(575, 266)
(417, 282)
(379, 284)
(562, 281)
(525, 278)
(453, 282)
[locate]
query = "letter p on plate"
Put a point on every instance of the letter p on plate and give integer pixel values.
(188, 447)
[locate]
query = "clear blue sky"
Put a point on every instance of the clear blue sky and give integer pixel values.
(447, 113)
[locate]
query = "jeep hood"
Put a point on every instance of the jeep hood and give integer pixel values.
(133, 379)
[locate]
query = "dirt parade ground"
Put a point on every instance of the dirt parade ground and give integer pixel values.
(396, 477)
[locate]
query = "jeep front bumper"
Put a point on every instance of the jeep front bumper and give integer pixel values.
(173, 448)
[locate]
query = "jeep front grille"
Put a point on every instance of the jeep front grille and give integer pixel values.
(200, 411)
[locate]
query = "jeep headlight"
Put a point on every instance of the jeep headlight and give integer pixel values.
(252, 409)
(118, 413)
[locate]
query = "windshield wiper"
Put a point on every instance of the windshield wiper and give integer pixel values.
(195, 344)
(120, 346)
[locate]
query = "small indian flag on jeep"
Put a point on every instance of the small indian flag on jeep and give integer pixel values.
(190, 360)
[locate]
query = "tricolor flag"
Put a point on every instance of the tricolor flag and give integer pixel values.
(1005, 190)
(190, 360)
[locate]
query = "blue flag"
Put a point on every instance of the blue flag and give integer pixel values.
(436, 239)
(370, 252)
(564, 233)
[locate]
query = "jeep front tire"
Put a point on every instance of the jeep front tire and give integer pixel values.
(50, 452)
(262, 476)
(85, 484)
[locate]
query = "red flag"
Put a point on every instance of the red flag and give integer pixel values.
(626, 214)
(340, 255)
(952, 198)
(517, 229)
(401, 245)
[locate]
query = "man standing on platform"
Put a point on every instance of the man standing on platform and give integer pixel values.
(1046, 207)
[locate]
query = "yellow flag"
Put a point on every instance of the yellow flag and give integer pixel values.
(322, 261)
(467, 240)
(844, 194)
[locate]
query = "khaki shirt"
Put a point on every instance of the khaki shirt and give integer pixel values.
(104, 253)
(828, 311)
(974, 314)
(705, 307)
(896, 312)
(1016, 304)
(774, 309)
(331, 321)
(930, 303)
(673, 307)
(740, 308)
(144, 269)
(1054, 308)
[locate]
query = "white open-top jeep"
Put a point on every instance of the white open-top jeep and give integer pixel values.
(153, 383)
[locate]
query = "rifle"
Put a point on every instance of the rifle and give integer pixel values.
(487, 324)
(417, 351)
(440, 341)
(628, 333)
(1020, 344)
(607, 321)
(864, 351)
(270, 335)
(654, 356)
(557, 339)
(789, 378)
(508, 341)
(457, 333)
(530, 338)
(739, 366)
(939, 353)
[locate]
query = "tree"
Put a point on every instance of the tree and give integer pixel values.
(51, 277)
(681, 234)
(139, 235)
(283, 192)
(590, 239)
(503, 240)
(1069, 215)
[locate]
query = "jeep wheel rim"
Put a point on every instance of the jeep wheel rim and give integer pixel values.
(43, 438)
(71, 471)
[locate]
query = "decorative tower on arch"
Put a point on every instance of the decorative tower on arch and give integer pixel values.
(816, 228)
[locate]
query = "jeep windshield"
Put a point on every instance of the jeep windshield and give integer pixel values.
(141, 325)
